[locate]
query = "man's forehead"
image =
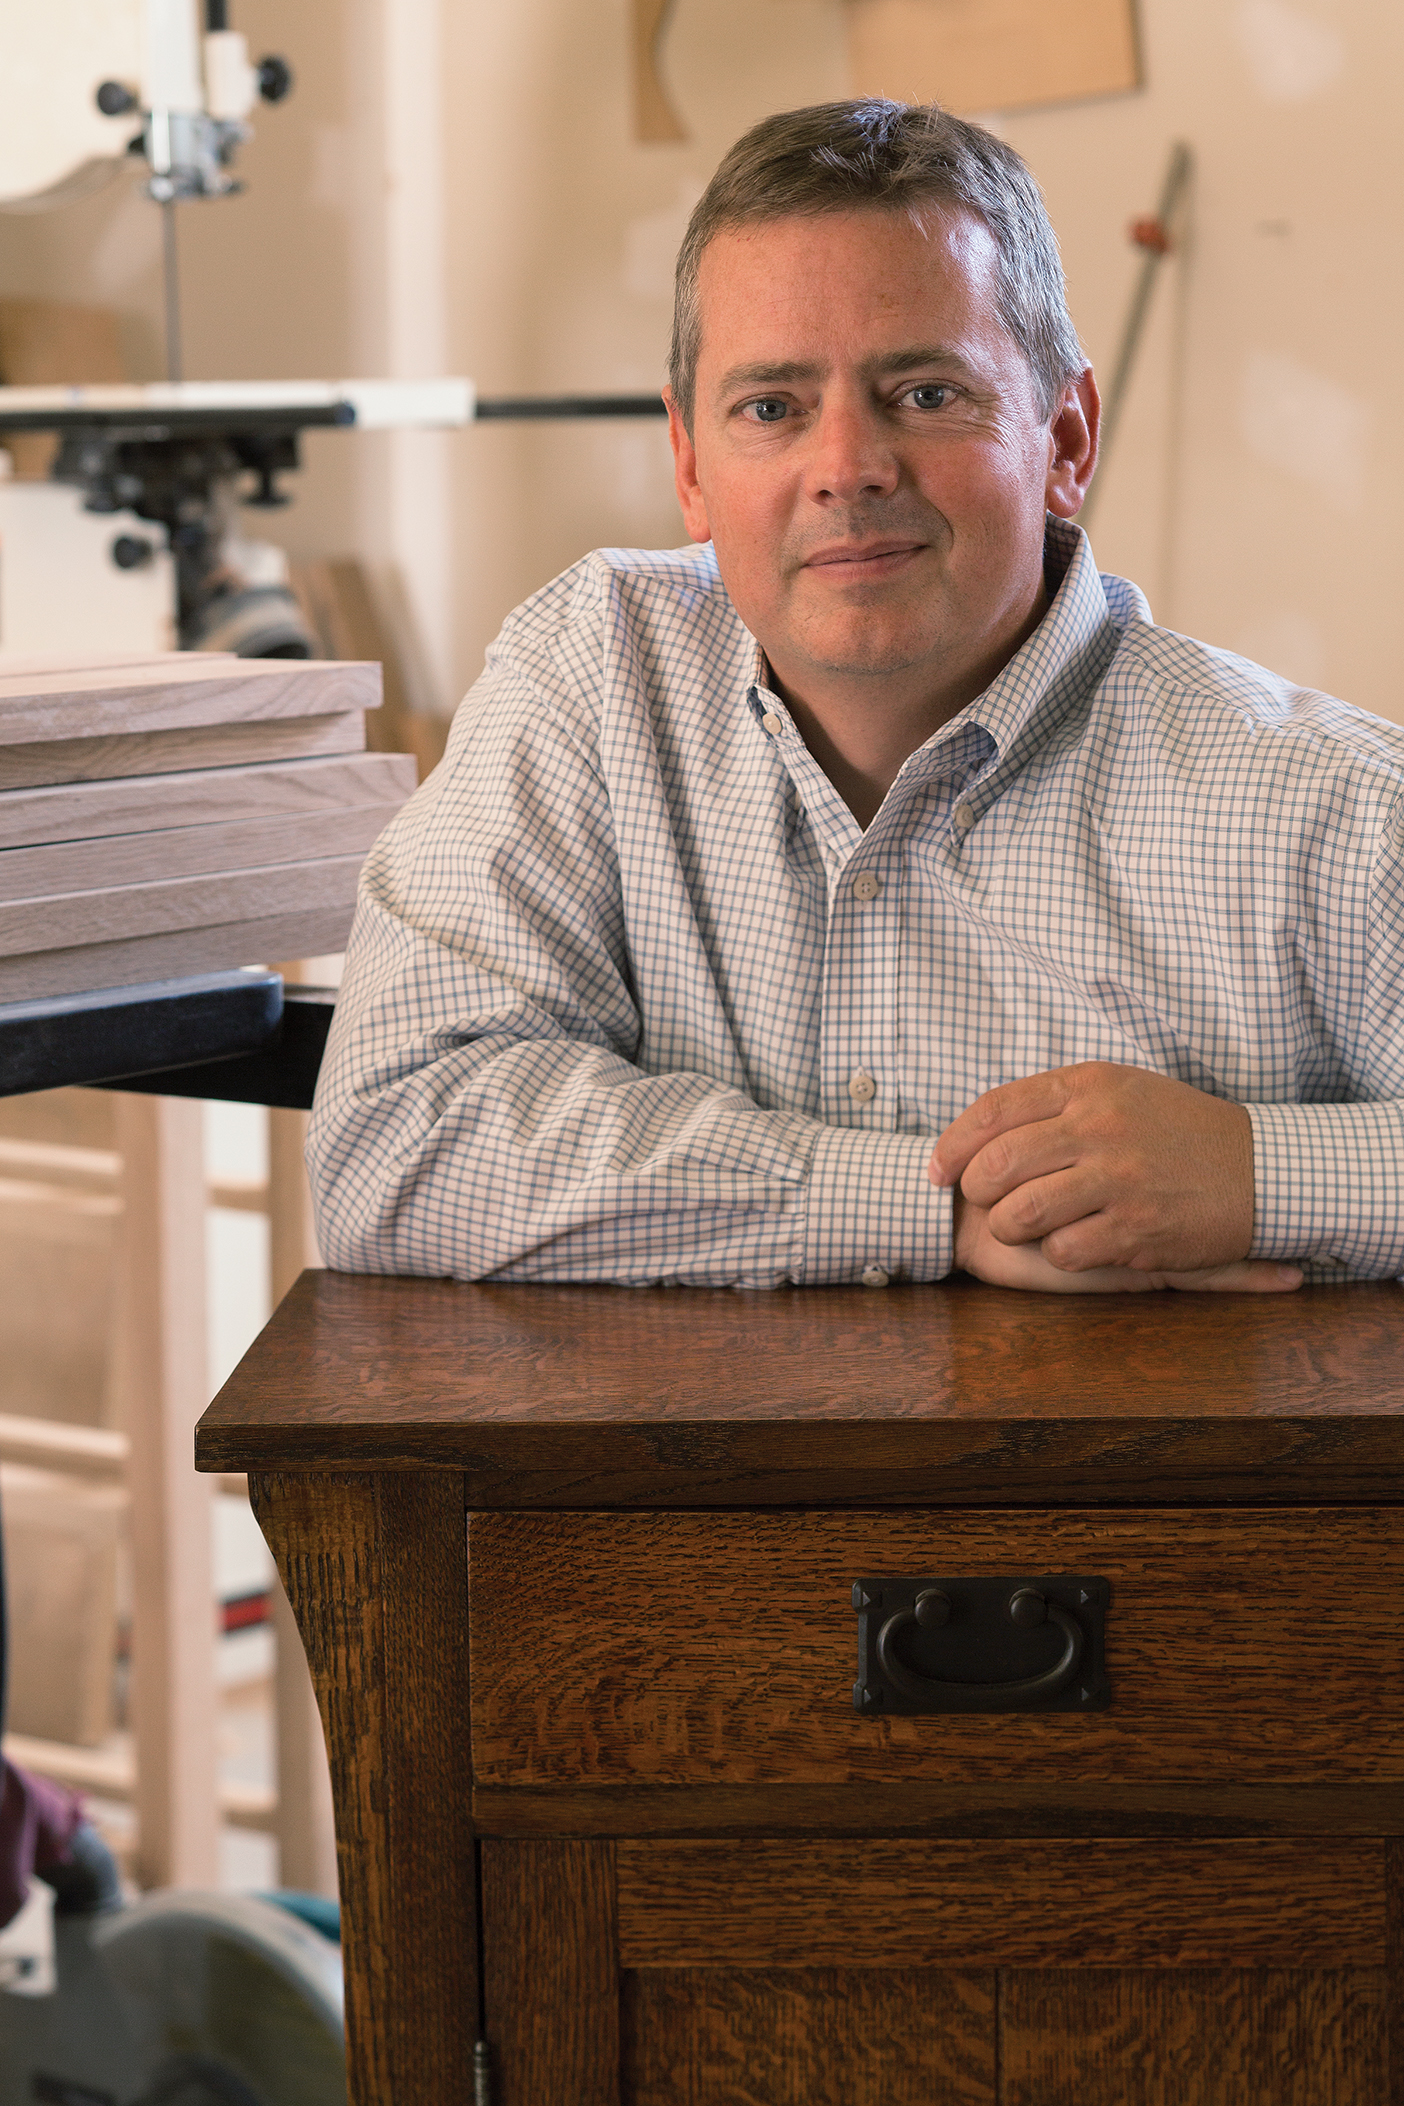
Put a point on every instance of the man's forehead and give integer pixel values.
(784, 290)
(937, 234)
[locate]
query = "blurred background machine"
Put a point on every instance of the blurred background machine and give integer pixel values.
(94, 88)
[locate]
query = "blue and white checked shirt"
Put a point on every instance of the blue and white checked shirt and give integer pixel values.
(630, 995)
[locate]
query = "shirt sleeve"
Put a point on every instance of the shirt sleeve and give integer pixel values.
(481, 1112)
(1329, 1177)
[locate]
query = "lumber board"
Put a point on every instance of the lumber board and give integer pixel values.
(44, 762)
(201, 798)
(104, 915)
(95, 702)
(36, 882)
(99, 661)
(302, 931)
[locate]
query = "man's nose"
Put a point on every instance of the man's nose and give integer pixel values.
(852, 453)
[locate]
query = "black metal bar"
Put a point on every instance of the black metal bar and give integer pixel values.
(531, 407)
(216, 15)
(185, 423)
(282, 1073)
(176, 423)
(117, 1032)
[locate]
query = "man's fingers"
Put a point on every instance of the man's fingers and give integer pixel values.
(1026, 1165)
(1249, 1276)
(999, 1111)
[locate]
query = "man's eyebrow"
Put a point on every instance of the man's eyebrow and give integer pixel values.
(913, 355)
(779, 373)
(766, 373)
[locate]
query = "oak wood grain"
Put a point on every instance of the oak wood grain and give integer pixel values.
(204, 798)
(1047, 1802)
(55, 884)
(373, 1569)
(58, 761)
(668, 1649)
(550, 1973)
(178, 692)
(303, 931)
(1270, 2038)
(764, 1903)
(161, 906)
(612, 1397)
(829, 2037)
(1394, 1955)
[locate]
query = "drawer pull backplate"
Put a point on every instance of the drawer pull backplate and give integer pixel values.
(981, 1645)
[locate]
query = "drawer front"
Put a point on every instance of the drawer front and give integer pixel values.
(1243, 1646)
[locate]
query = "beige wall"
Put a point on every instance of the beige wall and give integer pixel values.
(455, 186)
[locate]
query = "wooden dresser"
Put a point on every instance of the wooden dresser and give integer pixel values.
(616, 1796)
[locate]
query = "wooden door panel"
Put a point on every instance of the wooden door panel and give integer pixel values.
(550, 1973)
(771, 1903)
(826, 2037)
(668, 1649)
(1211, 2038)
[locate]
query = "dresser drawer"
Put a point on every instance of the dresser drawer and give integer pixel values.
(1243, 1646)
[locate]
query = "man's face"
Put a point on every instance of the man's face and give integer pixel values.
(867, 452)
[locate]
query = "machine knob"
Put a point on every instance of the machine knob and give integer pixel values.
(114, 100)
(275, 78)
(132, 552)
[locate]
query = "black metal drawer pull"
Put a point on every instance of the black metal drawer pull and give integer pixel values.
(1026, 1642)
(1027, 1608)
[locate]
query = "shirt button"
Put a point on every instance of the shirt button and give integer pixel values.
(861, 1088)
(876, 1276)
(867, 885)
(773, 724)
(964, 816)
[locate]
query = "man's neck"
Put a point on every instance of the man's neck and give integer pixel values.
(861, 728)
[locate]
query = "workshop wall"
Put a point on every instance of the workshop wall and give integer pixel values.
(457, 187)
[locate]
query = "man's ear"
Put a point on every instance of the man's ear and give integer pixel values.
(1073, 435)
(694, 509)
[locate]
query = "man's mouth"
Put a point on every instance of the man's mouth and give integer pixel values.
(863, 558)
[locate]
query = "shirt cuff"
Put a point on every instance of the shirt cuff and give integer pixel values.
(871, 1211)
(1329, 1187)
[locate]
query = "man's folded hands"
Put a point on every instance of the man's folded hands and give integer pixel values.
(1101, 1177)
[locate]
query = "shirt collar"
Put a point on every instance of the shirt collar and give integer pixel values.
(1068, 651)
(1055, 667)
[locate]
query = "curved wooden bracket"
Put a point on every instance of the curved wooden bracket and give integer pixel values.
(655, 119)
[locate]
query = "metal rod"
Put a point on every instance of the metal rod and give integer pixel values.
(171, 272)
(216, 15)
(1154, 252)
(152, 424)
(533, 406)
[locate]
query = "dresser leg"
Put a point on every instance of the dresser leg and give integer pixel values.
(1394, 1964)
(375, 1567)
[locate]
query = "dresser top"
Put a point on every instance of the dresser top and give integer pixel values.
(959, 1394)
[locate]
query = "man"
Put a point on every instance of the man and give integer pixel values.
(876, 820)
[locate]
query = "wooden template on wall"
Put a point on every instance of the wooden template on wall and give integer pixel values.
(977, 55)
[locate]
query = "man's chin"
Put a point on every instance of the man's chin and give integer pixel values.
(870, 656)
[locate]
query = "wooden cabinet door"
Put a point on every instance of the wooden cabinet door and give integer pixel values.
(794, 1971)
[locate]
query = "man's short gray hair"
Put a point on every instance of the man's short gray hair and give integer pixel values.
(904, 157)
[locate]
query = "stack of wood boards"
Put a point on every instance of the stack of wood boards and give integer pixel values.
(180, 814)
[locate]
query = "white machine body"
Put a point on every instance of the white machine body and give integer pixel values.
(55, 143)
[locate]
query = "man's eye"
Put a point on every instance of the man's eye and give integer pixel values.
(767, 409)
(928, 394)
